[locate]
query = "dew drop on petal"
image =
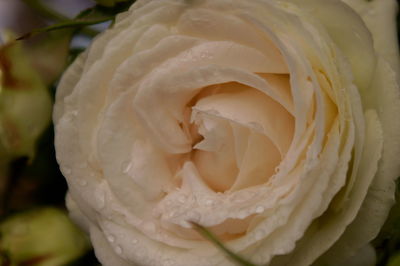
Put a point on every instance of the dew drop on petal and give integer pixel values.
(277, 169)
(126, 166)
(67, 170)
(82, 182)
(243, 214)
(168, 262)
(111, 238)
(100, 199)
(118, 250)
(182, 199)
(209, 202)
(172, 214)
(83, 165)
(195, 216)
(237, 199)
(260, 209)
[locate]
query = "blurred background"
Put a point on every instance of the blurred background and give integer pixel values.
(35, 229)
(34, 226)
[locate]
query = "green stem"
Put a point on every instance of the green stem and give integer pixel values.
(64, 25)
(52, 14)
(213, 239)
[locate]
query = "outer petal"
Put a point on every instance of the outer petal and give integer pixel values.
(94, 146)
(380, 18)
(384, 96)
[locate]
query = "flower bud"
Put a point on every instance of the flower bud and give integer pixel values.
(25, 103)
(44, 237)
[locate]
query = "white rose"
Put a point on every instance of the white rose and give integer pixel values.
(272, 123)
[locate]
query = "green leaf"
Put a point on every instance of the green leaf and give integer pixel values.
(98, 14)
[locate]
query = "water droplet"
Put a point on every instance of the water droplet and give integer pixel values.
(182, 199)
(82, 182)
(172, 214)
(237, 199)
(169, 262)
(203, 55)
(126, 166)
(100, 199)
(242, 197)
(83, 165)
(185, 224)
(260, 209)
(195, 216)
(243, 214)
(134, 241)
(118, 250)
(110, 238)
(66, 170)
(209, 202)
(277, 169)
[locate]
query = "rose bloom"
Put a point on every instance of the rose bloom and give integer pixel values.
(271, 123)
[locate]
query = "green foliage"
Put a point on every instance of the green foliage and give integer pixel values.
(25, 103)
(104, 11)
(41, 237)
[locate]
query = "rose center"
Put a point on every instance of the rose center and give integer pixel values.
(235, 142)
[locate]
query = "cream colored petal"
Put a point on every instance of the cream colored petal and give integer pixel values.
(252, 109)
(326, 230)
(103, 250)
(280, 84)
(201, 23)
(67, 84)
(225, 53)
(351, 36)
(301, 209)
(259, 162)
(241, 136)
(140, 64)
(172, 90)
(380, 18)
(380, 196)
(214, 157)
(129, 161)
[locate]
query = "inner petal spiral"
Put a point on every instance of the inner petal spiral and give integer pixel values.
(245, 134)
